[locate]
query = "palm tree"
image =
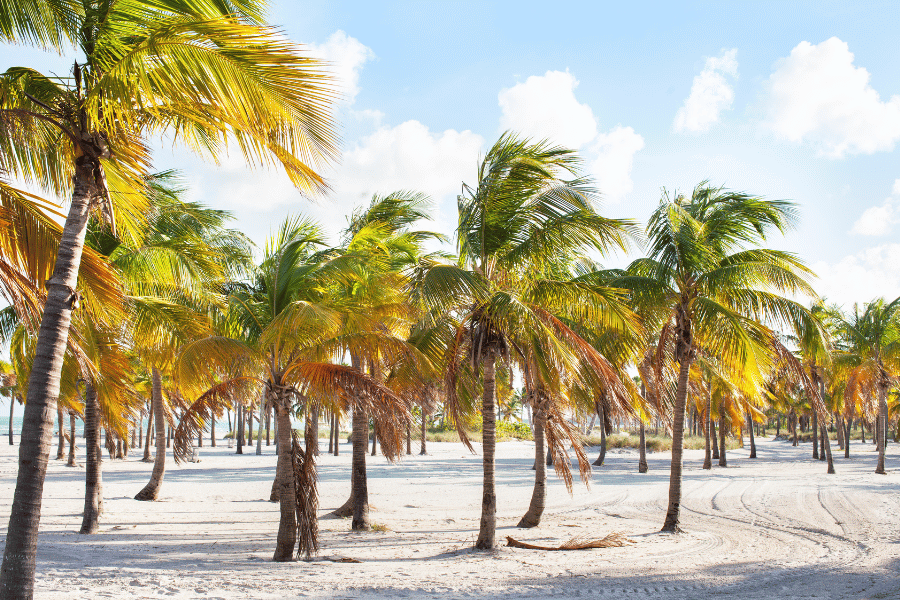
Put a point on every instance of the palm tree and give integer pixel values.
(514, 222)
(872, 360)
(187, 68)
(718, 287)
(288, 336)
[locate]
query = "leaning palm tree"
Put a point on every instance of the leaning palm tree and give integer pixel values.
(190, 69)
(872, 360)
(528, 207)
(719, 287)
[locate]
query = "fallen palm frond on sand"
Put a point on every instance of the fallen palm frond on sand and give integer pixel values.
(613, 540)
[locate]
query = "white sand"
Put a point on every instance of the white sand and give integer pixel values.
(774, 527)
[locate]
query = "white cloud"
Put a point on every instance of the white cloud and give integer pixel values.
(861, 277)
(817, 95)
(711, 93)
(346, 56)
(615, 155)
(545, 107)
(880, 220)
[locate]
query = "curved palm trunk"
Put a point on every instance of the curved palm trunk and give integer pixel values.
(61, 447)
(151, 490)
(488, 529)
(287, 526)
(723, 462)
(642, 460)
(752, 438)
(147, 457)
(71, 461)
(815, 434)
(93, 475)
(359, 490)
(673, 512)
(599, 408)
(881, 429)
(707, 422)
(532, 518)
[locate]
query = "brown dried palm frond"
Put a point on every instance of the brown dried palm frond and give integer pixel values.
(455, 405)
(788, 367)
(613, 540)
(351, 388)
(605, 374)
(303, 463)
(197, 414)
(560, 434)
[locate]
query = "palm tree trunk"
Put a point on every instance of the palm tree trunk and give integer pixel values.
(249, 417)
(409, 436)
(17, 572)
(151, 490)
(598, 407)
(212, 430)
(61, 447)
(673, 512)
(723, 462)
(374, 438)
(147, 440)
(314, 433)
(12, 406)
(752, 439)
(707, 423)
(262, 409)
(331, 432)
(239, 433)
(839, 421)
(71, 461)
(642, 460)
(268, 425)
(287, 526)
(532, 518)
(847, 426)
(359, 490)
(881, 429)
(487, 531)
(337, 433)
(93, 475)
(815, 429)
(828, 450)
(424, 432)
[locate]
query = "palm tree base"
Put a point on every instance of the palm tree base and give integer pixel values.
(529, 521)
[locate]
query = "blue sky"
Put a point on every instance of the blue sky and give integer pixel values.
(798, 101)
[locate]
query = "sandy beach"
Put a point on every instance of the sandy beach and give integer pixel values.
(773, 527)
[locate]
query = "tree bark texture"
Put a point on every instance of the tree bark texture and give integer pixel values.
(673, 512)
(707, 423)
(487, 531)
(61, 447)
(17, 571)
(93, 474)
(151, 490)
(723, 462)
(359, 490)
(12, 406)
(881, 429)
(287, 526)
(642, 456)
(424, 433)
(752, 438)
(598, 406)
(147, 457)
(532, 518)
(815, 435)
(71, 461)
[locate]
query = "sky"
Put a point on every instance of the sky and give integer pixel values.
(796, 101)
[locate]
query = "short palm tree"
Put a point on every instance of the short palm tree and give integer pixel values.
(718, 287)
(204, 72)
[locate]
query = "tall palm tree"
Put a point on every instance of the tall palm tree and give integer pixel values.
(872, 360)
(719, 287)
(191, 69)
(528, 207)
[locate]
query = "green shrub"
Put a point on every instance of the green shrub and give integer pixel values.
(655, 443)
(513, 430)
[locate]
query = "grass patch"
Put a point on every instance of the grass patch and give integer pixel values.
(655, 443)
